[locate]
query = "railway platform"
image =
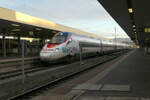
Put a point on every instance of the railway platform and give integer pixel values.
(127, 80)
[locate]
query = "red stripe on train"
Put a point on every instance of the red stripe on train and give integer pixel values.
(51, 45)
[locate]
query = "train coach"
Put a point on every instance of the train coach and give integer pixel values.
(70, 45)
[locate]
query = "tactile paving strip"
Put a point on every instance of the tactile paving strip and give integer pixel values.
(122, 98)
(110, 98)
(88, 86)
(112, 87)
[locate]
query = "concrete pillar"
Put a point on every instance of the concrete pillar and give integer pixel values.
(43, 42)
(3, 31)
(23, 72)
(38, 46)
(19, 45)
(9, 46)
(25, 48)
(4, 45)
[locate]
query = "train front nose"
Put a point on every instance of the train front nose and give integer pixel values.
(50, 52)
(49, 55)
(44, 56)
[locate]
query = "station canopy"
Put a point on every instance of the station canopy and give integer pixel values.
(133, 16)
(13, 23)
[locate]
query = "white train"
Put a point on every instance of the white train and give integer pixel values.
(71, 45)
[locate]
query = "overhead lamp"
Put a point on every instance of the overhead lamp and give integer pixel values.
(15, 30)
(54, 31)
(47, 40)
(130, 10)
(15, 25)
(38, 29)
(147, 30)
(11, 33)
(28, 39)
(133, 26)
(31, 33)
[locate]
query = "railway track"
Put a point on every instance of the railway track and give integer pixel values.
(10, 74)
(64, 68)
(105, 59)
(8, 65)
(29, 68)
(12, 68)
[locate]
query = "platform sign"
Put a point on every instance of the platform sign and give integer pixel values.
(147, 29)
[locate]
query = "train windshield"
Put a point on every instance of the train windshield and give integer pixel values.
(58, 38)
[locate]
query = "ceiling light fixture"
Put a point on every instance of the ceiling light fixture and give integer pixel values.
(31, 33)
(54, 32)
(38, 29)
(133, 26)
(15, 25)
(15, 30)
(130, 10)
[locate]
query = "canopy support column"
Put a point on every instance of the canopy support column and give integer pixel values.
(19, 45)
(4, 45)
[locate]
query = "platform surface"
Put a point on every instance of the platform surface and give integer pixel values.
(129, 80)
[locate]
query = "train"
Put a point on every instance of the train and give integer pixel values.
(68, 46)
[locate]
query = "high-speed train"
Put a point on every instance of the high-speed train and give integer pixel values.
(71, 45)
